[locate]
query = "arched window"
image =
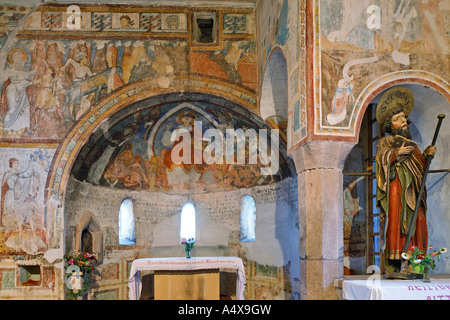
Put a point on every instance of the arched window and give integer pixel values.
(126, 222)
(187, 227)
(248, 218)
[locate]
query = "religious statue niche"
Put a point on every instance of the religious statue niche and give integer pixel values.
(183, 147)
(400, 170)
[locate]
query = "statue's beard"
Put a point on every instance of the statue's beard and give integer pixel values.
(402, 132)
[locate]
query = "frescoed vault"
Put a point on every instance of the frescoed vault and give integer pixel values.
(134, 148)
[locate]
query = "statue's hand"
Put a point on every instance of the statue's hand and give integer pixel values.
(405, 150)
(430, 151)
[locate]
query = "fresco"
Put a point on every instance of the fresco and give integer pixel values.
(52, 78)
(136, 151)
(23, 221)
(383, 37)
(282, 27)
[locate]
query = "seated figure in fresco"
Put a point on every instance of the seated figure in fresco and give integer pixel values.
(399, 169)
(128, 169)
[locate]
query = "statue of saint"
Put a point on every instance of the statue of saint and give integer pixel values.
(399, 169)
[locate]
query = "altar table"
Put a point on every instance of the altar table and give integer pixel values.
(183, 264)
(437, 289)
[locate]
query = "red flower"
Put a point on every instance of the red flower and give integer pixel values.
(420, 256)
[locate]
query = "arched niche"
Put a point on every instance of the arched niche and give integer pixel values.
(89, 236)
(429, 102)
(274, 92)
(381, 84)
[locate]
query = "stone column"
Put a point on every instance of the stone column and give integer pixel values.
(319, 166)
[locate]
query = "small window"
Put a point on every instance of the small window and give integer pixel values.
(30, 275)
(187, 227)
(248, 219)
(126, 222)
(204, 28)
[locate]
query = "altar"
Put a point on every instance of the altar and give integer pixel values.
(369, 288)
(173, 272)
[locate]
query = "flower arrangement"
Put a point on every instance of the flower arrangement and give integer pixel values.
(422, 260)
(188, 246)
(79, 269)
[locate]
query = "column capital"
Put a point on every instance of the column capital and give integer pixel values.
(321, 155)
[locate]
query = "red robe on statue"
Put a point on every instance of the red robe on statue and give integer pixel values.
(398, 183)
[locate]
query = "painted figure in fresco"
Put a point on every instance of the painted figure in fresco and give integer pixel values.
(399, 168)
(188, 171)
(126, 22)
(73, 95)
(15, 103)
(128, 166)
(344, 92)
(47, 99)
(128, 169)
(132, 56)
(87, 83)
(19, 203)
(341, 99)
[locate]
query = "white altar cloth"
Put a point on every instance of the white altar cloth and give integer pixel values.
(437, 289)
(195, 263)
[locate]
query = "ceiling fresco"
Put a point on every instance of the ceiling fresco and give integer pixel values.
(135, 148)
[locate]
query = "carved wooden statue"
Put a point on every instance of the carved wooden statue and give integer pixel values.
(399, 170)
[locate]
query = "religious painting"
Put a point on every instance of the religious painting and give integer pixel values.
(380, 38)
(180, 147)
(50, 80)
(22, 221)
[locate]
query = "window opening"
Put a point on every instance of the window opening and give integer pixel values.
(248, 219)
(187, 227)
(206, 30)
(373, 231)
(86, 240)
(126, 222)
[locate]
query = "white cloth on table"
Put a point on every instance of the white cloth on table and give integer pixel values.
(195, 263)
(437, 289)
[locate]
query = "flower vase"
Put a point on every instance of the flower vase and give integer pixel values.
(426, 274)
(188, 253)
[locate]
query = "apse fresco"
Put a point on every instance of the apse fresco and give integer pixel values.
(136, 152)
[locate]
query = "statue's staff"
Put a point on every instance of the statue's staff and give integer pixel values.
(422, 186)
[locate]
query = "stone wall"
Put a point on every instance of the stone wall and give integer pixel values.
(157, 225)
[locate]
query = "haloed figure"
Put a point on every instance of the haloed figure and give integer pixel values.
(399, 170)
